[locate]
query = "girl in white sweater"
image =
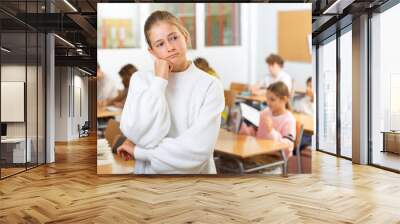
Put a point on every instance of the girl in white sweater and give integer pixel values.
(171, 116)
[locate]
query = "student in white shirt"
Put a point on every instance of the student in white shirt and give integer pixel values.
(305, 104)
(107, 89)
(171, 116)
(276, 73)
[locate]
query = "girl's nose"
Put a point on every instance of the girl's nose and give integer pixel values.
(170, 47)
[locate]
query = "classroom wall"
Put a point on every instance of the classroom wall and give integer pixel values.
(267, 42)
(245, 63)
(70, 84)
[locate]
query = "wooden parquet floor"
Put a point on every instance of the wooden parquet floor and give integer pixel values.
(70, 191)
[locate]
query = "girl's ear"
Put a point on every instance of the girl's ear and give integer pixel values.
(187, 40)
(151, 51)
(286, 99)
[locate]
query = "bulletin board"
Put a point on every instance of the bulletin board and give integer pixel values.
(294, 35)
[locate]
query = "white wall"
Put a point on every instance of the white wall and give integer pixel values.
(67, 117)
(61, 103)
(267, 41)
(244, 63)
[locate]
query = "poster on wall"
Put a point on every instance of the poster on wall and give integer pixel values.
(117, 33)
(118, 30)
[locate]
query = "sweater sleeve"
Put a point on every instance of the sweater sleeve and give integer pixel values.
(189, 152)
(287, 135)
(145, 119)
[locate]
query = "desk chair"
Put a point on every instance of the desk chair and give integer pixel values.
(112, 131)
(238, 87)
(230, 97)
(84, 130)
(299, 136)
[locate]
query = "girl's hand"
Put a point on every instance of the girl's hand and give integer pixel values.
(268, 123)
(126, 150)
(162, 68)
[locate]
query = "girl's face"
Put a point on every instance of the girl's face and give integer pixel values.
(276, 103)
(168, 43)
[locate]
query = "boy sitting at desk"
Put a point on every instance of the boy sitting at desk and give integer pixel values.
(276, 73)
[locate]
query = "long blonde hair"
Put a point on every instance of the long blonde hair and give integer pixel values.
(202, 64)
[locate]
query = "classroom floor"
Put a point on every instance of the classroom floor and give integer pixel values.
(71, 191)
(387, 159)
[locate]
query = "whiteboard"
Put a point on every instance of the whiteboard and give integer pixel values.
(12, 101)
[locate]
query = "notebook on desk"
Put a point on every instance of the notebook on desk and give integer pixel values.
(250, 113)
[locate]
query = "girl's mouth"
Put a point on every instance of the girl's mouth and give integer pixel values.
(173, 56)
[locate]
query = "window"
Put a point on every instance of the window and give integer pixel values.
(327, 97)
(22, 76)
(222, 24)
(385, 89)
(346, 94)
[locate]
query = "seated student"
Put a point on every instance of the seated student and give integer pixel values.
(276, 73)
(125, 73)
(107, 89)
(202, 64)
(305, 104)
(276, 121)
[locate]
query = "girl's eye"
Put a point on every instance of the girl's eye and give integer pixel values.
(160, 45)
(174, 38)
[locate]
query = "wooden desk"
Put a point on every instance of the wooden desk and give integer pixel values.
(239, 147)
(307, 121)
(102, 112)
(244, 146)
(109, 163)
(391, 141)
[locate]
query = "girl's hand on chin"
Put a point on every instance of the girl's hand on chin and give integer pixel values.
(162, 68)
(268, 123)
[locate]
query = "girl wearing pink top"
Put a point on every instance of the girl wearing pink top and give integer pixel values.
(276, 121)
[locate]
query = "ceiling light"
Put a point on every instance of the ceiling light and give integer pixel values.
(86, 72)
(64, 40)
(5, 49)
(70, 5)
